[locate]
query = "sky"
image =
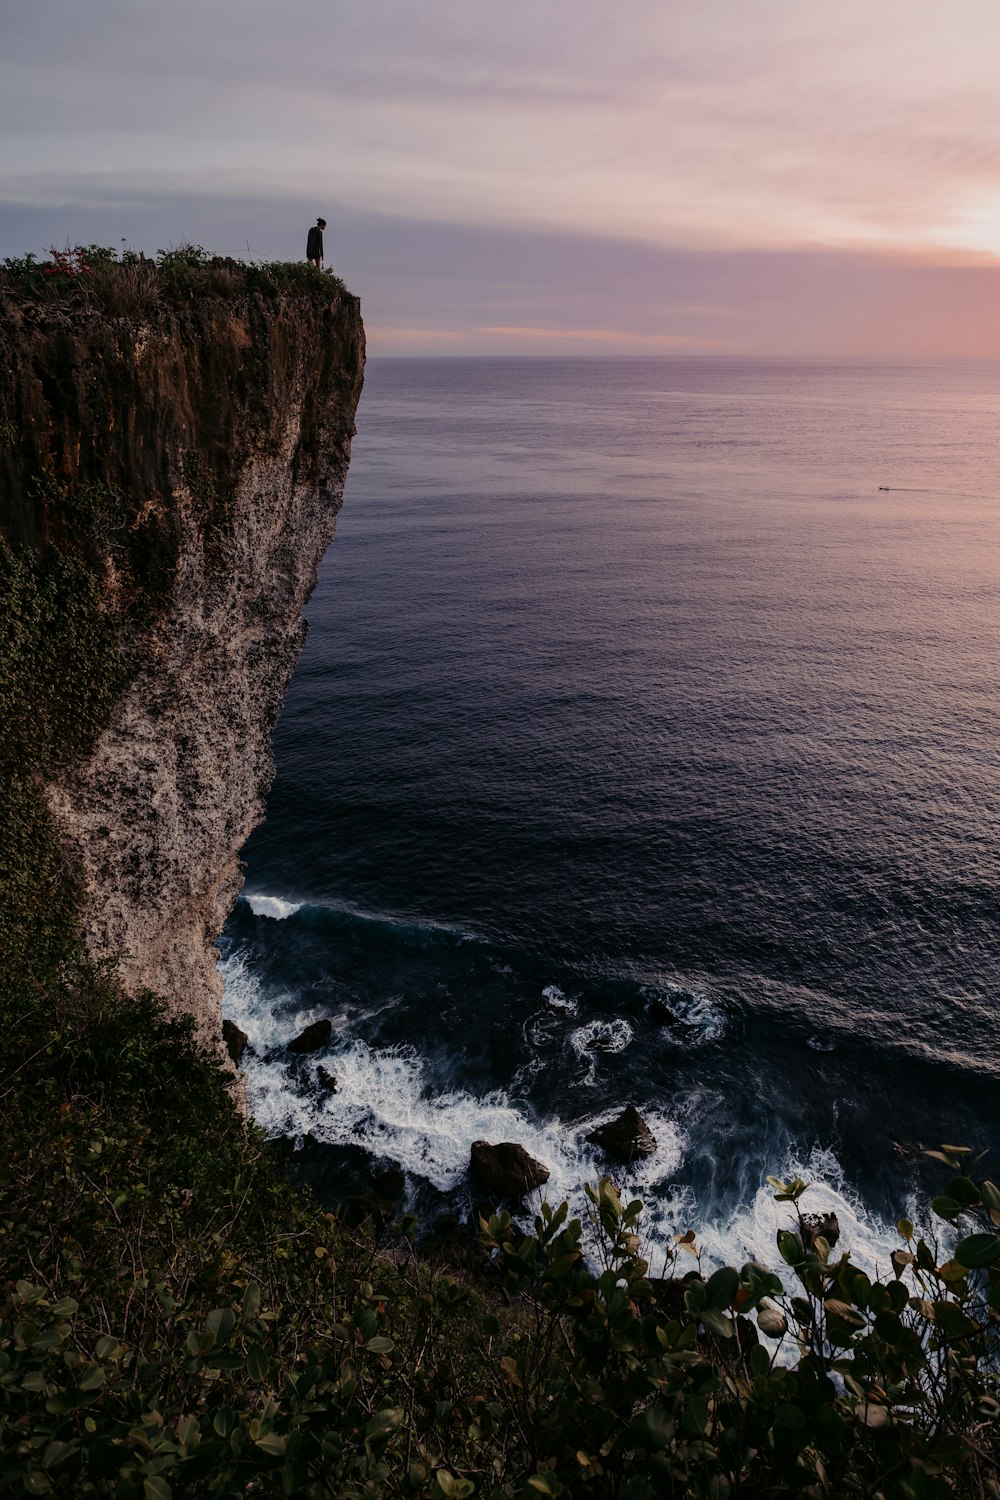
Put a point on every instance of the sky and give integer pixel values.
(707, 177)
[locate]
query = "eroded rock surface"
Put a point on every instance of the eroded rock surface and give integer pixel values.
(236, 1041)
(215, 433)
(816, 1225)
(626, 1138)
(506, 1169)
(313, 1037)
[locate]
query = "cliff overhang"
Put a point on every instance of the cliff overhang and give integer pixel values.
(181, 449)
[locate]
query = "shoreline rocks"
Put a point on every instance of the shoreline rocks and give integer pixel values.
(626, 1138)
(815, 1225)
(506, 1169)
(313, 1038)
(235, 1041)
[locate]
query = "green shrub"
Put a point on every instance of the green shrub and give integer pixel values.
(126, 284)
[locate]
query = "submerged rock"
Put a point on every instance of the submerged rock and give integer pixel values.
(235, 1040)
(626, 1138)
(506, 1169)
(660, 1013)
(326, 1080)
(313, 1038)
(814, 1225)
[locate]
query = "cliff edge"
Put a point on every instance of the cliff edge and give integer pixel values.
(184, 442)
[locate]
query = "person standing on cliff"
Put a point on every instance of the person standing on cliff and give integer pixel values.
(314, 244)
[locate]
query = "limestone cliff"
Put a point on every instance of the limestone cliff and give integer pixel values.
(193, 451)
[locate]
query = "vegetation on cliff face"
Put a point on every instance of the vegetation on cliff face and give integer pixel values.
(176, 1320)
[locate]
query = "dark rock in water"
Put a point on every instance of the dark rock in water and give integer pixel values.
(235, 1040)
(627, 1138)
(388, 1182)
(660, 1014)
(814, 1225)
(506, 1169)
(326, 1080)
(313, 1038)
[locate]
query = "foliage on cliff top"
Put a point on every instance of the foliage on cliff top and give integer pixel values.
(127, 284)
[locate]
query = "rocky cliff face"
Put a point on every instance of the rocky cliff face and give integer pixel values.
(194, 452)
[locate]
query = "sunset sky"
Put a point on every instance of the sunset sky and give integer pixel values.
(731, 176)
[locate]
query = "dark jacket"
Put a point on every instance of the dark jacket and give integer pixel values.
(314, 244)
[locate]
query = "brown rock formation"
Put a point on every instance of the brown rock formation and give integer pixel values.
(627, 1138)
(194, 455)
(506, 1169)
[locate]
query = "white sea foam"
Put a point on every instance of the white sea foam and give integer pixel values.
(386, 1102)
(751, 1231)
(272, 906)
(693, 1008)
(268, 1022)
(554, 996)
(596, 1037)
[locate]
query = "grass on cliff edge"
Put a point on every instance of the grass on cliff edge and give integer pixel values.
(128, 284)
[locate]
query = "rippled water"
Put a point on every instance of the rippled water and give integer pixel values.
(645, 748)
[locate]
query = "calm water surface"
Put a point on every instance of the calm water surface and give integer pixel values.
(645, 749)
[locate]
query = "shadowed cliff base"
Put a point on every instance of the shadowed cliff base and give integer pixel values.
(175, 443)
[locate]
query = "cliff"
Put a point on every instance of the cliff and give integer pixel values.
(184, 442)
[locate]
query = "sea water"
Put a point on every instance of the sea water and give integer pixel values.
(645, 749)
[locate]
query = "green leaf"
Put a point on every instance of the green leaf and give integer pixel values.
(66, 1307)
(221, 1321)
(251, 1301)
(946, 1208)
(978, 1250)
(772, 1321)
(844, 1312)
(717, 1323)
(188, 1428)
(990, 1195)
(964, 1191)
(652, 1429)
(380, 1345)
(69, 1401)
(722, 1287)
(456, 1489)
(790, 1247)
(952, 1322)
(257, 1362)
(790, 1417)
(56, 1452)
(272, 1443)
(900, 1260)
(37, 1483)
(155, 1488)
(384, 1423)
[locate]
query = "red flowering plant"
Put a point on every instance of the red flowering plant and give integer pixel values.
(69, 263)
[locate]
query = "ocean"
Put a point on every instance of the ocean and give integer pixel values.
(644, 749)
